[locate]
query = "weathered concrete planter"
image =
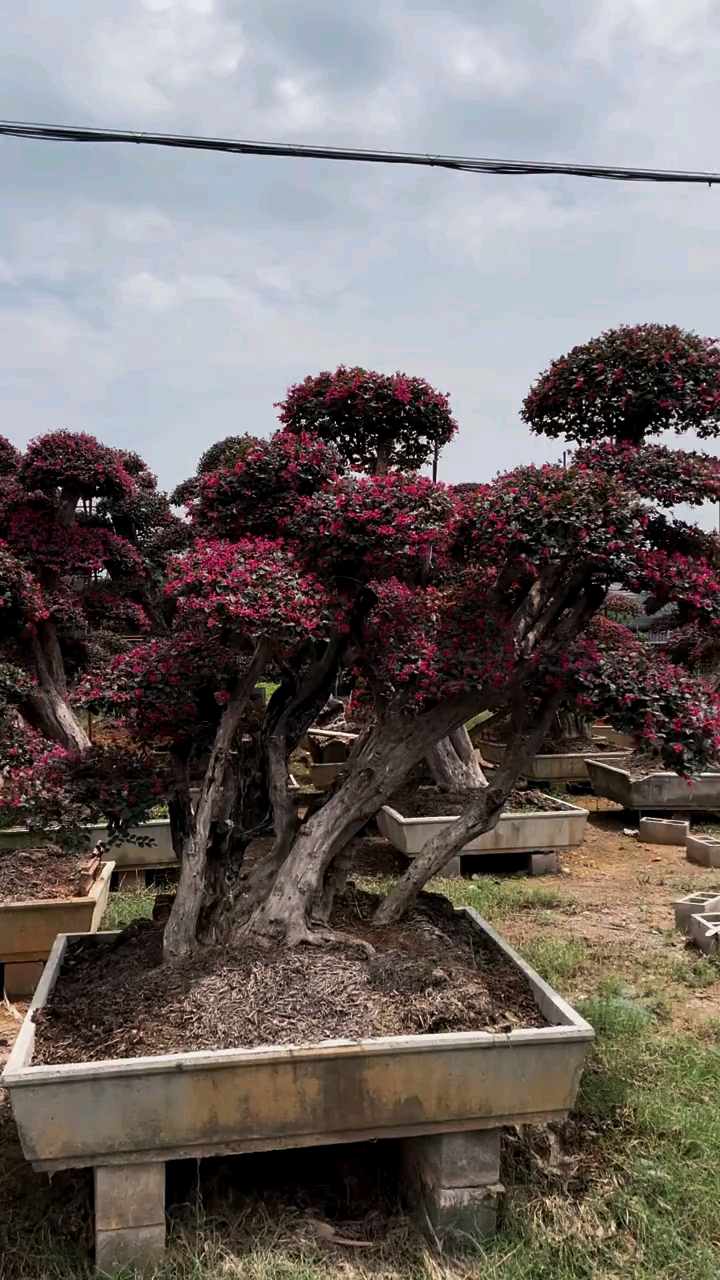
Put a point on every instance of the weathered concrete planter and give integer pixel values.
(606, 734)
(657, 791)
(127, 1117)
(28, 931)
(529, 833)
(323, 775)
(568, 767)
(131, 861)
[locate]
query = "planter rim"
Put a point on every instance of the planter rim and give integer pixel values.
(92, 826)
(19, 1071)
(660, 773)
(453, 817)
(106, 870)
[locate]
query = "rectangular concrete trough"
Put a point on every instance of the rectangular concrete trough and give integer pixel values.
(125, 856)
(657, 791)
(604, 733)
(127, 1117)
(565, 767)
(28, 931)
(236, 1100)
(515, 832)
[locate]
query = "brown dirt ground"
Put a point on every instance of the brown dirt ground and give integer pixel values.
(43, 873)
(619, 894)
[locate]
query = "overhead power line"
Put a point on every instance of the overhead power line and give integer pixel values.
(462, 164)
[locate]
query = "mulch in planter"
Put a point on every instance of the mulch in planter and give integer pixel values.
(429, 802)
(28, 875)
(433, 972)
(569, 747)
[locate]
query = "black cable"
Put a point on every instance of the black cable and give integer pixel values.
(74, 133)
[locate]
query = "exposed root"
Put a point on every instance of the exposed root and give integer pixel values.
(299, 934)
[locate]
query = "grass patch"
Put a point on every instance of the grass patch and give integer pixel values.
(125, 905)
(495, 898)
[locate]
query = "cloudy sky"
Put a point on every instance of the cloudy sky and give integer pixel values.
(162, 300)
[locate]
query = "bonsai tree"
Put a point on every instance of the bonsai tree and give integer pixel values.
(628, 384)
(444, 605)
(376, 422)
(83, 536)
(609, 395)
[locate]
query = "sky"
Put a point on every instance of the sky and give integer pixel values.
(162, 300)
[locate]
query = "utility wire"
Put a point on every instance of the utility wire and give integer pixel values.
(463, 164)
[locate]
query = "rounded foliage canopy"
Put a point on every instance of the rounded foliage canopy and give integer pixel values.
(627, 384)
(376, 421)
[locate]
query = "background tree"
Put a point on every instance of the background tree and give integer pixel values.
(84, 533)
(628, 384)
(376, 421)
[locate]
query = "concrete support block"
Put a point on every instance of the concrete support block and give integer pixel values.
(452, 1183)
(705, 931)
(663, 831)
(542, 864)
(22, 978)
(703, 850)
(129, 1216)
(451, 869)
(694, 904)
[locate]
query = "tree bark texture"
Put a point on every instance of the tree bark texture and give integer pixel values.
(480, 815)
(381, 764)
(181, 928)
(453, 764)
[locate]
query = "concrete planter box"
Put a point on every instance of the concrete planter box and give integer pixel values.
(28, 931)
(124, 856)
(515, 832)
(323, 775)
(127, 1117)
(569, 767)
(657, 791)
(604, 733)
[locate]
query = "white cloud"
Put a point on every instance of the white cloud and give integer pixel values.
(160, 48)
(146, 290)
(144, 226)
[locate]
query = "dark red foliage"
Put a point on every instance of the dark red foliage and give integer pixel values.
(72, 790)
(258, 492)
(376, 421)
(253, 588)
(665, 476)
(74, 461)
(627, 384)
(360, 528)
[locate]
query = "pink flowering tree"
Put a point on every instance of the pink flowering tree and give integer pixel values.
(376, 421)
(84, 534)
(609, 395)
(628, 384)
(442, 604)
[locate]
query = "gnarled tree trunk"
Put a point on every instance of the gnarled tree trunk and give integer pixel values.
(47, 708)
(453, 764)
(480, 815)
(380, 765)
